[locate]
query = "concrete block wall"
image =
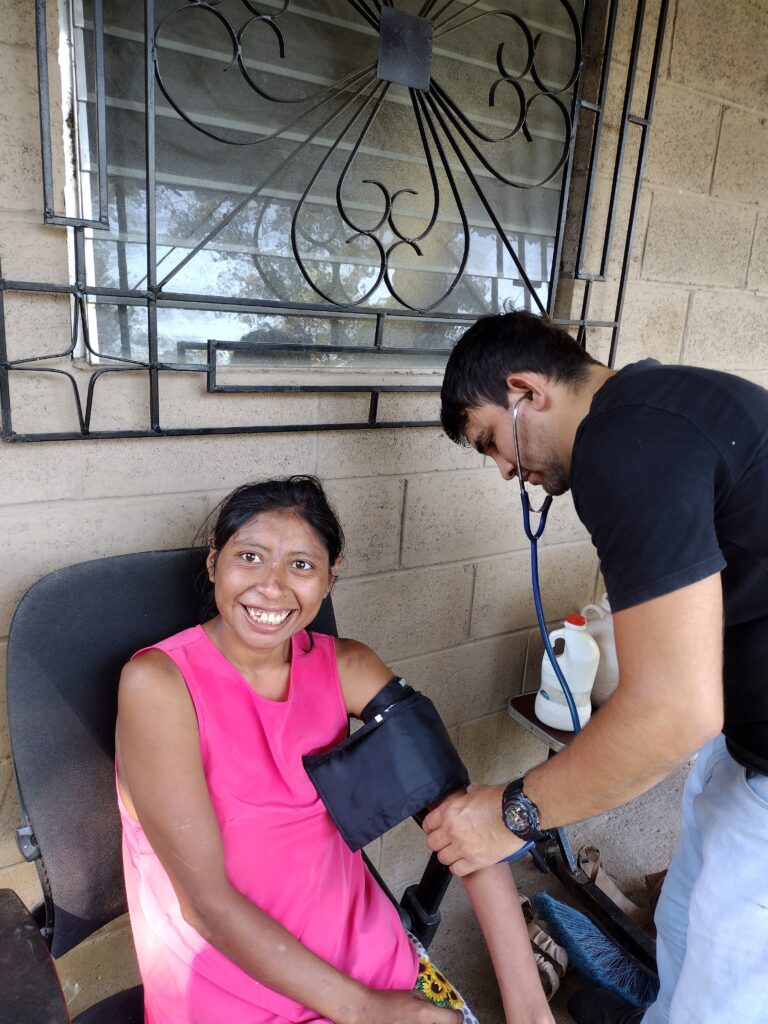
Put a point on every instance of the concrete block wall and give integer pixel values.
(698, 284)
(436, 577)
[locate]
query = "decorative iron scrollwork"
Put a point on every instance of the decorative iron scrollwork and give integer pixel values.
(355, 101)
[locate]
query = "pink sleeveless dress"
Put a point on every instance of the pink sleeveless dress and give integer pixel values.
(281, 848)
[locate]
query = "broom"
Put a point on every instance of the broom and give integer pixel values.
(594, 955)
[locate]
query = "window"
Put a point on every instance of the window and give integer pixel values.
(300, 185)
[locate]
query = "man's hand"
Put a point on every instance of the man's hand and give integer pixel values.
(467, 833)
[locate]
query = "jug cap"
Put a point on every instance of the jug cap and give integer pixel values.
(574, 619)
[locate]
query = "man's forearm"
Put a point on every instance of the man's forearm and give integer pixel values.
(625, 750)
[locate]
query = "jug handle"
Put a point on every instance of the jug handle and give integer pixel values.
(556, 634)
(592, 608)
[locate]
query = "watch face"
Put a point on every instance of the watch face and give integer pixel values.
(516, 816)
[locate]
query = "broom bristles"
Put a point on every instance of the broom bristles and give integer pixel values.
(594, 955)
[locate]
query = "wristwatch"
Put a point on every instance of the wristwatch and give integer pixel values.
(520, 814)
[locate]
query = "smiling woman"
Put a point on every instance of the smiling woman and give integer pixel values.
(229, 853)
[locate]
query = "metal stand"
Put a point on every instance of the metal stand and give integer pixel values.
(555, 856)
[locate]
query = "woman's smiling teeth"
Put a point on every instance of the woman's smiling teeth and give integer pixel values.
(270, 618)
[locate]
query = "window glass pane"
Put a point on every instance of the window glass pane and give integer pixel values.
(287, 172)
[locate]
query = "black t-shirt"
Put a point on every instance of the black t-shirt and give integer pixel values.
(670, 477)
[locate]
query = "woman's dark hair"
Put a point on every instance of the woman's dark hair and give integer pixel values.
(303, 495)
(495, 347)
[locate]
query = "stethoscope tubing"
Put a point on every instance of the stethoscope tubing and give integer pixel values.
(534, 536)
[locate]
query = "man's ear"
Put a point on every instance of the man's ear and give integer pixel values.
(526, 382)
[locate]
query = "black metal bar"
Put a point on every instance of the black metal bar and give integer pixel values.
(292, 428)
(627, 106)
(5, 393)
(596, 138)
(624, 932)
(421, 902)
(639, 171)
(101, 111)
(122, 271)
(44, 105)
(562, 207)
(151, 201)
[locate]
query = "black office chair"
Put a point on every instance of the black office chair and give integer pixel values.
(71, 634)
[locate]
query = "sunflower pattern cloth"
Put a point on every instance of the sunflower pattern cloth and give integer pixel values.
(436, 987)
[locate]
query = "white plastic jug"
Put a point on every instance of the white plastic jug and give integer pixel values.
(600, 626)
(578, 663)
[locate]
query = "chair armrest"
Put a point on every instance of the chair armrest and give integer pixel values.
(30, 992)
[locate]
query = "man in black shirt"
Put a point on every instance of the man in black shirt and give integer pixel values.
(668, 467)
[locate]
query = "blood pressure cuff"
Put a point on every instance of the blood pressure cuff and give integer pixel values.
(399, 762)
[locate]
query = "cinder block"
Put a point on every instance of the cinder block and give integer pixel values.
(563, 525)
(652, 324)
(9, 817)
(403, 857)
(342, 408)
(407, 614)
(21, 185)
(741, 170)
(32, 251)
(102, 965)
(37, 324)
(602, 308)
(168, 464)
(19, 23)
(496, 749)
(22, 879)
(373, 852)
(40, 472)
(625, 23)
(408, 450)
(727, 335)
(692, 240)
(503, 600)
(44, 402)
(449, 517)
(184, 402)
(369, 511)
(399, 405)
(758, 264)
(120, 400)
(47, 537)
(683, 139)
(719, 49)
(474, 679)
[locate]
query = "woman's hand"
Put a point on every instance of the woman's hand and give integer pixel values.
(402, 1007)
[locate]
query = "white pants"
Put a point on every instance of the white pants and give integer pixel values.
(712, 915)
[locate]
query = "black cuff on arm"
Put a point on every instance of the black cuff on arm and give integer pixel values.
(395, 690)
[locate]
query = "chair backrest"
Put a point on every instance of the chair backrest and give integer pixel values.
(71, 634)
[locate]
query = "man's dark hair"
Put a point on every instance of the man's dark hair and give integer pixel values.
(497, 346)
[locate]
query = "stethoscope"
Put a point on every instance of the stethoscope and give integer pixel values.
(541, 512)
(533, 536)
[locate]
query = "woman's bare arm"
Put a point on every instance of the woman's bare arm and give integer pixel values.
(494, 898)
(162, 781)
(492, 890)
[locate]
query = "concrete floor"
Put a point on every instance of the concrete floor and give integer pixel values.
(634, 840)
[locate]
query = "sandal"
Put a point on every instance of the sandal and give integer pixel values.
(590, 861)
(550, 958)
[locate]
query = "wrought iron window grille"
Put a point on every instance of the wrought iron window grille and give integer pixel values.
(458, 161)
